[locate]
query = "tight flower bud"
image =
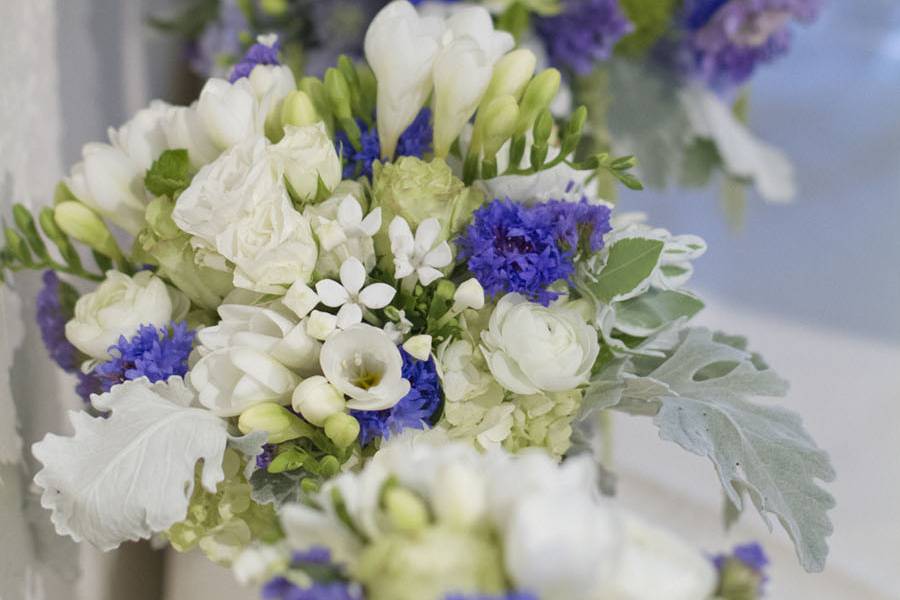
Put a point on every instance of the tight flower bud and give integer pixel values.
(298, 110)
(511, 74)
(469, 294)
(498, 122)
(538, 96)
(83, 224)
(406, 511)
(316, 400)
(280, 423)
(342, 429)
(418, 346)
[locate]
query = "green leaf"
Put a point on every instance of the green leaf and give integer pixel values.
(170, 174)
(705, 407)
(653, 310)
(276, 488)
(630, 262)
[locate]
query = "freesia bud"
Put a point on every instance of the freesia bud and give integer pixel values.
(316, 400)
(78, 221)
(342, 429)
(511, 74)
(298, 110)
(320, 324)
(406, 510)
(469, 294)
(418, 346)
(301, 299)
(338, 93)
(497, 123)
(280, 423)
(538, 96)
(462, 73)
(460, 498)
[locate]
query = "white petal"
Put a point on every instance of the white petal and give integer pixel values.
(426, 235)
(377, 295)
(440, 256)
(331, 293)
(402, 267)
(401, 237)
(349, 315)
(428, 275)
(349, 212)
(353, 275)
(372, 223)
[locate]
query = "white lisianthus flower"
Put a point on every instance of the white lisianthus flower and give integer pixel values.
(463, 71)
(184, 129)
(421, 257)
(343, 231)
(401, 47)
(307, 155)
(363, 363)
(118, 307)
(350, 296)
(238, 209)
(143, 137)
(108, 181)
(253, 355)
(531, 348)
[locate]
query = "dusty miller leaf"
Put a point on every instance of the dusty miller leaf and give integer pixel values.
(276, 488)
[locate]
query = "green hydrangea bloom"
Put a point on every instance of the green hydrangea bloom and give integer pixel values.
(224, 523)
(543, 421)
(431, 563)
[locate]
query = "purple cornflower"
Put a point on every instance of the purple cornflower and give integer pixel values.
(580, 226)
(264, 458)
(220, 42)
(724, 40)
(415, 141)
(416, 410)
(584, 33)
(257, 54)
(750, 557)
(55, 306)
(152, 353)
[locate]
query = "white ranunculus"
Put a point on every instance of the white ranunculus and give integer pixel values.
(531, 348)
(253, 355)
(108, 181)
(363, 363)
(401, 47)
(143, 138)
(307, 154)
(118, 307)
(230, 112)
(238, 207)
(184, 129)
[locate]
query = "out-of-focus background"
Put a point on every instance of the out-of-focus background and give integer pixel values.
(815, 284)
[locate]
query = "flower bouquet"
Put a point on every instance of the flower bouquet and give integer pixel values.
(666, 81)
(360, 336)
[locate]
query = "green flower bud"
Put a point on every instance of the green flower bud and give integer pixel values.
(543, 127)
(275, 8)
(497, 123)
(538, 96)
(338, 91)
(511, 74)
(406, 511)
(280, 423)
(342, 429)
(25, 223)
(17, 245)
(298, 109)
(83, 224)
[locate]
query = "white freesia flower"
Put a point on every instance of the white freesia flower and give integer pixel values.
(253, 355)
(230, 112)
(238, 209)
(143, 137)
(531, 348)
(307, 155)
(463, 70)
(401, 47)
(108, 181)
(316, 400)
(184, 129)
(363, 363)
(351, 296)
(343, 231)
(118, 307)
(421, 257)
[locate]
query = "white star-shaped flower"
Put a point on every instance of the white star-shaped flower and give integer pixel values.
(350, 218)
(418, 256)
(351, 296)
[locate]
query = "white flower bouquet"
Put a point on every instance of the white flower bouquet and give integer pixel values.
(368, 329)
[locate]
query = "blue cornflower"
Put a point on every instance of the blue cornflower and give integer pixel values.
(750, 555)
(264, 458)
(152, 353)
(583, 33)
(723, 41)
(257, 54)
(54, 309)
(415, 141)
(513, 248)
(580, 226)
(220, 40)
(416, 410)
(281, 588)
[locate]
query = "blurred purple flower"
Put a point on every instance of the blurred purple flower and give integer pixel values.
(583, 34)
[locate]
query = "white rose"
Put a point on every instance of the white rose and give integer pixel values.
(253, 355)
(306, 155)
(238, 207)
(108, 181)
(119, 307)
(531, 348)
(363, 363)
(142, 138)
